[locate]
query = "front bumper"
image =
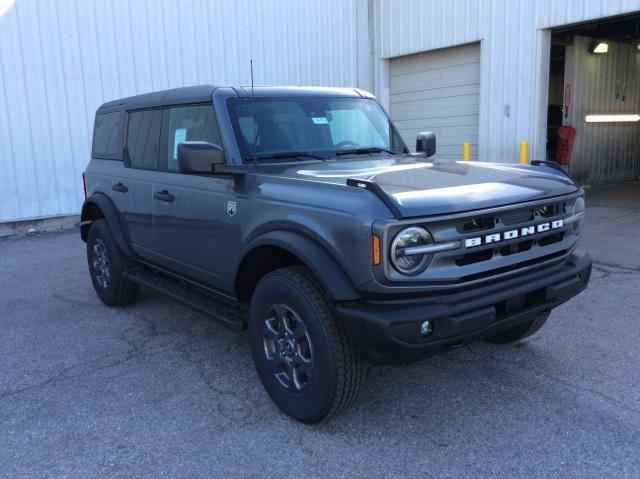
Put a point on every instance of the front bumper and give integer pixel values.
(387, 332)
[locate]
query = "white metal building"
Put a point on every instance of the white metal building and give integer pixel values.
(470, 70)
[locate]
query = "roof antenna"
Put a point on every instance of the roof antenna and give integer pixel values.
(251, 64)
(255, 126)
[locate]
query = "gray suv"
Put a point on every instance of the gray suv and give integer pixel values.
(300, 214)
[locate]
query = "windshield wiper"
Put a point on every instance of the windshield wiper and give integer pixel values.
(365, 150)
(285, 155)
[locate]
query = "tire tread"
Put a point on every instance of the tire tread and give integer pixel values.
(351, 368)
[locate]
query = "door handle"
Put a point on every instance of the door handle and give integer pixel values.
(121, 187)
(164, 195)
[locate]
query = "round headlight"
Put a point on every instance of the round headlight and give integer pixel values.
(578, 207)
(410, 264)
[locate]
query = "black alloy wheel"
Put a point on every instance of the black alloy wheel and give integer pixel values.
(287, 347)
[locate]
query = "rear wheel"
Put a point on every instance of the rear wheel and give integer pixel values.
(107, 265)
(519, 332)
(303, 356)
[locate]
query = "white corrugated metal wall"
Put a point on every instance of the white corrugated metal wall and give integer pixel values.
(514, 63)
(60, 59)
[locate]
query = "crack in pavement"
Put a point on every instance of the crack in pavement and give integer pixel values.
(63, 376)
(617, 268)
(569, 384)
(243, 416)
(616, 207)
(136, 344)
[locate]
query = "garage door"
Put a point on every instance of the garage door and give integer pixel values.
(438, 91)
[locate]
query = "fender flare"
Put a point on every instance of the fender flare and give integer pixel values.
(314, 256)
(112, 217)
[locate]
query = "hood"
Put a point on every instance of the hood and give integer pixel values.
(421, 188)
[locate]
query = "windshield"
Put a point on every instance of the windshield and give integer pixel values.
(265, 127)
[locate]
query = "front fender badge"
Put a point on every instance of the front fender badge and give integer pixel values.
(231, 208)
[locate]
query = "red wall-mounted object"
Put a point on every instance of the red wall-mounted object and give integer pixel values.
(566, 135)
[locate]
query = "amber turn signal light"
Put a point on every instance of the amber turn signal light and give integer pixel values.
(375, 250)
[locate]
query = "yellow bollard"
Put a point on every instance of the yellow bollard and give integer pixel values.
(524, 152)
(466, 151)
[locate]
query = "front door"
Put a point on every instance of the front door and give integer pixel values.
(189, 211)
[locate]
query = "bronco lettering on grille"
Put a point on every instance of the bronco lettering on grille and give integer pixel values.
(511, 234)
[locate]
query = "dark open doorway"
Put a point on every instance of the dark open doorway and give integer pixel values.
(556, 95)
(593, 83)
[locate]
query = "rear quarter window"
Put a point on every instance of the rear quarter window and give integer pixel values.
(107, 136)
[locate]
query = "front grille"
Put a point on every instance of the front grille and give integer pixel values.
(511, 217)
(516, 247)
(502, 221)
(506, 250)
(511, 267)
(495, 241)
(517, 217)
(549, 211)
(476, 257)
(483, 223)
(550, 239)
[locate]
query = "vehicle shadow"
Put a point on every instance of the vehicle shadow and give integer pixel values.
(441, 392)
(464, 411)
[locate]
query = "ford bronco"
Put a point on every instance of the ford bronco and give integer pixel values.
(302, 215)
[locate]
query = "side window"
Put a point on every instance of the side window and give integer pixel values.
(143, 136)
(189, 123)
(107, 136)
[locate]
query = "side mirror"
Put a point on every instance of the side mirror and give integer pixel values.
(199, 157)
(426, 142)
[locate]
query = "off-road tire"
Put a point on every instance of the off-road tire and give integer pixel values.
(519, 332)
(119, 291)
(337, 372)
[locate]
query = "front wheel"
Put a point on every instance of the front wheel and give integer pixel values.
(519, 332)
(302, 354)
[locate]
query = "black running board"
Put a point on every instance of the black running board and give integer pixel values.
(230, 315)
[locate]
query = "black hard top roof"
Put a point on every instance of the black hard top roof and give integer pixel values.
(202, 93)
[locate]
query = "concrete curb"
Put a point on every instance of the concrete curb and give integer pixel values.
(41, 225)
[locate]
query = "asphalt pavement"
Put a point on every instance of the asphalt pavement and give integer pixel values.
(156, 390)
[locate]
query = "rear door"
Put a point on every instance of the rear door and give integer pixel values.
(190, 210)
(132, 191)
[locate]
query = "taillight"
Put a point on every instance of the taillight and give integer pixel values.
(84, 186)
